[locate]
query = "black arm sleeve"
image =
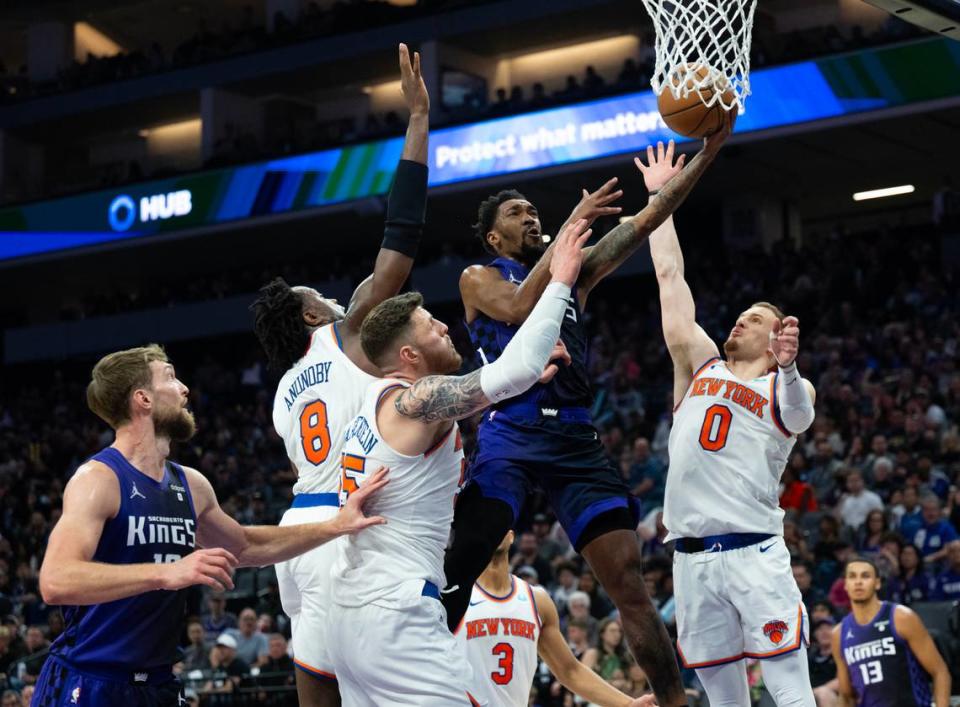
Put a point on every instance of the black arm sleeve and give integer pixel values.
(406, 207)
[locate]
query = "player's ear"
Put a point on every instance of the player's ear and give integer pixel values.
(311, 318)
(493, 239)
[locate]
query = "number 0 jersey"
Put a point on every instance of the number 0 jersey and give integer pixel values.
(315, 401)
(501, 635)
(728, 449)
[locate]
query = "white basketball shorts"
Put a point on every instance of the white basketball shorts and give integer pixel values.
(305, 593)
(734, 604)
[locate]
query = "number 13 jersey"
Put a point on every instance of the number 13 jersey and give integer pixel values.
(315, 401)
(728, 448)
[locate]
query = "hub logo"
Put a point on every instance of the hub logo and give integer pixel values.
(158, 207)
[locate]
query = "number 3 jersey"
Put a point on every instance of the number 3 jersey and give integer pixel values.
(883, 670)
(501, 635)
(156, 523)
(728, 449)
(315, 401)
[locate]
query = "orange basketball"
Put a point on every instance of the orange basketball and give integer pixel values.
(690, 116)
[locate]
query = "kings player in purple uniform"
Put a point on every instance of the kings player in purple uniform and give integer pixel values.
(125, 547)
(545, 436)
(884, 655)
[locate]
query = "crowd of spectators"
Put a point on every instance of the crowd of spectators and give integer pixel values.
(877, 474)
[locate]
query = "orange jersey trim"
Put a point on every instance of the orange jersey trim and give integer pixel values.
(775, 406)
(533, 605)
(707, 663)
(690, 384)
(316, 672)
(439, 444)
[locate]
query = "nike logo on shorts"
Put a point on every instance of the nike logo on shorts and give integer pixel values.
(474, 603)
(764, 549)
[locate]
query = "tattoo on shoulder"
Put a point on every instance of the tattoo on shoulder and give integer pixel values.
(437, 398)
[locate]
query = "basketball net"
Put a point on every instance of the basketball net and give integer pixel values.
(697, 34)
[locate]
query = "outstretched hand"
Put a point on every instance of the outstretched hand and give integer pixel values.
(411, 83)
(785, 341)
(660, 167)
(713, 143)
(351, 519)
(593, 205)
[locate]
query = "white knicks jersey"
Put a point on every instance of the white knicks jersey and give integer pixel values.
(388, 564)
(315, 401)
(728, 449)
(501, 635)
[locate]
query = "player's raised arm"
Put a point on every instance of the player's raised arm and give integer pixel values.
(796, 395)
(406, 206)
(623, 241)
(260, 545)
(572, 674)
(69, 575)
(688, 344)
(484, 290)
(912, 630)
(443, 398)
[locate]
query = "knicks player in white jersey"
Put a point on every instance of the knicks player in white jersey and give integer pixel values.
(508, 623)
(317, 346)
(734, 424)
(390, 629)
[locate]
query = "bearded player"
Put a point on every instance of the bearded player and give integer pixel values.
(735, 422)
(545, 437)
(884, 654)
(317, 344)
(126, 547)
(509, 623)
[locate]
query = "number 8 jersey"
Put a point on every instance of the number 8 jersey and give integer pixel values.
(728, 449)
(315, 401)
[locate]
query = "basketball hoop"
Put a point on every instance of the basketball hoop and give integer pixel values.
(693, 35)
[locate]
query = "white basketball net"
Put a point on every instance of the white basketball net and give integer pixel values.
(703, 44)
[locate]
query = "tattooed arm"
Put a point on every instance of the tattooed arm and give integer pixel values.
(624, 240)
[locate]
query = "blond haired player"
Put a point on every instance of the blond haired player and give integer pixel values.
(317, 344)
(509, 623)
(734, 424)
(390, 629)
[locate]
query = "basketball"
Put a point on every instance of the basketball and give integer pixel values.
(689, 115)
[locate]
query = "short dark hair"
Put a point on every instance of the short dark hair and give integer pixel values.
(777, 312)
(865, 560)
(387, 322)
(279, 325)
(487, 214)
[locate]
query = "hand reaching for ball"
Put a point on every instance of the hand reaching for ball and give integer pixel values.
(660, 167)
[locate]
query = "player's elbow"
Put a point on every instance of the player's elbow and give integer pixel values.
(797, 419)
(53, 588)
(667, 269)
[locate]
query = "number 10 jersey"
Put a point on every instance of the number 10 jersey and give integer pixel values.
(315, 401)
(728, 448)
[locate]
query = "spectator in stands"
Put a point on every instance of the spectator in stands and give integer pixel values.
(908, 514)
(196, 656)
(217, 619)
(550, 549)
(277, 672)
(593, 83)
(648, 475)
(528, 553)
(610, 659)
(913, 583)
(538, 98)
(10, 699)
(936, 532)
(858, 501)
(947, 583)
(809, 594)
(824, 467)
(252, 646)
(26, 695)
(888, 556)
(9, 653)
(37, 648)
(600, 604)
(578, 606)
(797, 495)
(227, 671)
(872, 532)
(566, 585)
(823, 669)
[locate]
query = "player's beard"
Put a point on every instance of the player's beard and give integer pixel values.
(731, 346)
(176, 425)
(530, 253)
